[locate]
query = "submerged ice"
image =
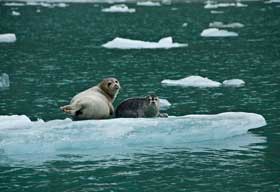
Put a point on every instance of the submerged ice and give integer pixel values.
(122, 43)
(4, 81)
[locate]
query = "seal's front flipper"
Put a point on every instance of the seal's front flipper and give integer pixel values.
(71, 109)
(163, 115)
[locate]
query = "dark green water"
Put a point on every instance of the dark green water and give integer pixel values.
(58, 53)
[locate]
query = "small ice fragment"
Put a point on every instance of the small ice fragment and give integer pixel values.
(217, 24)
(148, 3)
(4, 81)
(164, 104)
(120, 8)
(234, 83)
(7, 38)
(192, 81)
(214, 32)
(15, 13)
(184, 24)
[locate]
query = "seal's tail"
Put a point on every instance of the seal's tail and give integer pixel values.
(70, 109)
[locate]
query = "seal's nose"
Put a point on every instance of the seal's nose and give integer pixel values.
(117, 86)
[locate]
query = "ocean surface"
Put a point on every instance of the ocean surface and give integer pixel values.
(58, 53)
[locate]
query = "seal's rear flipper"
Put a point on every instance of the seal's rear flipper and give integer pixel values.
(71, 109)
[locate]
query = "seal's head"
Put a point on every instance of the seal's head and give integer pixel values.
(111, 86)
(151, 106)
(152, 100)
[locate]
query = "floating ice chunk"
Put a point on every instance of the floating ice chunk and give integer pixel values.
(148, 3)
(184, 24)
(214, 32)
(164, 104)
(212, 5)
(14, 4)
(273, 1)
(15, 13)
(234, 83)
(226, 4)
(217, 24)
(48, 5)
(121, 43)
(7, 38)
(216, 12)
(121, 8)
(4, 81)
(166, 2)
(192, 81)
(62, 5)
(238, 4)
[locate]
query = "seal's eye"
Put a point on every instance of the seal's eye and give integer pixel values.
(109, 84)
(116, 82)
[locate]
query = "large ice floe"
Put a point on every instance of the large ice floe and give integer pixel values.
(4, 81)
(215, 32)
(192, 81)
(122, 43)
(119, 8)
(202, 82)
(35, 142)
(148, 3)
(8, 38)
(217, 24)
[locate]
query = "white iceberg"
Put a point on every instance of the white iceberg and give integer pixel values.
(15, 13)
(26, 141)
(8, 38)
(234, 83)
(122, 43)
(217, 24)
(4, 81)
(192, 81)
(214, 32)
(164, 104)
(148, 3)
(120, 8)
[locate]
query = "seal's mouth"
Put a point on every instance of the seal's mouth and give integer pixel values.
(116, 86)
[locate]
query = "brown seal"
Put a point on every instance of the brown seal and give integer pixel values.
(95, 102)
